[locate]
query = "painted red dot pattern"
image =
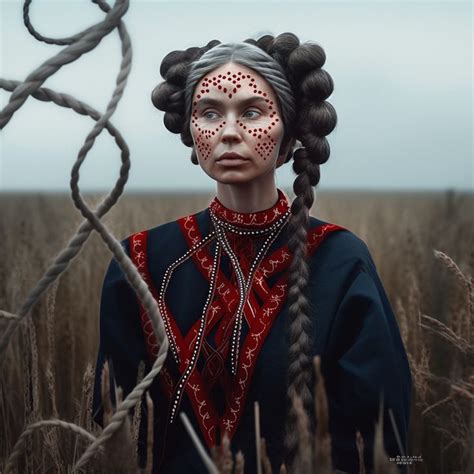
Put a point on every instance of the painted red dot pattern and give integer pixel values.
(265, 143)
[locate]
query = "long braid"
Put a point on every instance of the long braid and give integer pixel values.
(315, 119)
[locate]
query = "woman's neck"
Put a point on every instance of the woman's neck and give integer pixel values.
(248, 197)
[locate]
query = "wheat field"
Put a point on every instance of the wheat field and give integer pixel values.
(422, 244)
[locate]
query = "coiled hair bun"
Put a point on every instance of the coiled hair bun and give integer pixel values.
(168, 96)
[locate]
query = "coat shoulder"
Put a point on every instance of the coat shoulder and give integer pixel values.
(341, 246)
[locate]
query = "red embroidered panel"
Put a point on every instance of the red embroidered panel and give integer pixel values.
(260, 320)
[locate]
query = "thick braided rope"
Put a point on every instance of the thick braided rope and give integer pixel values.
(65, 100)
(60, 41)
(18, 97)
(86, 43)
(74, 246)
(20, 444)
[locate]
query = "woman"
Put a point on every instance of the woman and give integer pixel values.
(251, 288)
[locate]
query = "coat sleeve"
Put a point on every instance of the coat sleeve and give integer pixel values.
(121, 339)
(366, 361)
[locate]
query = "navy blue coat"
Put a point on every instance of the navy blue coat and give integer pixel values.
(354, 331)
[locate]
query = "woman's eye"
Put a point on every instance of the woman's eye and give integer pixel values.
(255, 112)
(209, 115)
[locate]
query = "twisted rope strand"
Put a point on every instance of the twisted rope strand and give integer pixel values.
(83, 43)
(69, 54)
(62, 260)
(60, 41)
(20, 444)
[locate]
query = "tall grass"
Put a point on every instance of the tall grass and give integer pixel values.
(422, 246)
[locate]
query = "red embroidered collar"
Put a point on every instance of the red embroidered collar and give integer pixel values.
(251, 220)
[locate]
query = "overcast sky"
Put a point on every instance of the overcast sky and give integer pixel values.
(402, 74)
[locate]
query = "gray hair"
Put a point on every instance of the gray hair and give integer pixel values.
(252, 57)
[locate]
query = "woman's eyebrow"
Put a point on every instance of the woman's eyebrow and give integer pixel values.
(208, 101)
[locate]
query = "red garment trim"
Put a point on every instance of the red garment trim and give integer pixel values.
(251, 220)
(259, 325)
(195, 389)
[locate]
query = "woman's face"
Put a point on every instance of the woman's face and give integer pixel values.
(235, 110)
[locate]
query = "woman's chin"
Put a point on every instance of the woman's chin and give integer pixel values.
(233, 177)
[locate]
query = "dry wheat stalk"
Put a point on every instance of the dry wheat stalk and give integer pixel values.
(421, 374)
(304, 457)
(7, 315)
(447, 333)
(403, 322)
(211, 467)
(360, 451)
(239, 463)
(119, 449)
(382, 465)
(105, 394)
(85, 409)
(50, 366)
(51, 440)
(266, 464)
(150, 434)
(51, 437)
(464, 389)
(322, 441)
(34, 367)
(137, 415)
(435, 405)
(227, 462)
(258, 445)
(465, 281)
(27, 393)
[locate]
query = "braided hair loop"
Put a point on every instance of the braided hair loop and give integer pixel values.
(316, 118)
(169, 96)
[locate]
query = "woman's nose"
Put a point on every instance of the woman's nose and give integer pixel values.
(231, 131)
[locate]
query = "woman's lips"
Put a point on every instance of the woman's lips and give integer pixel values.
(231, 159)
